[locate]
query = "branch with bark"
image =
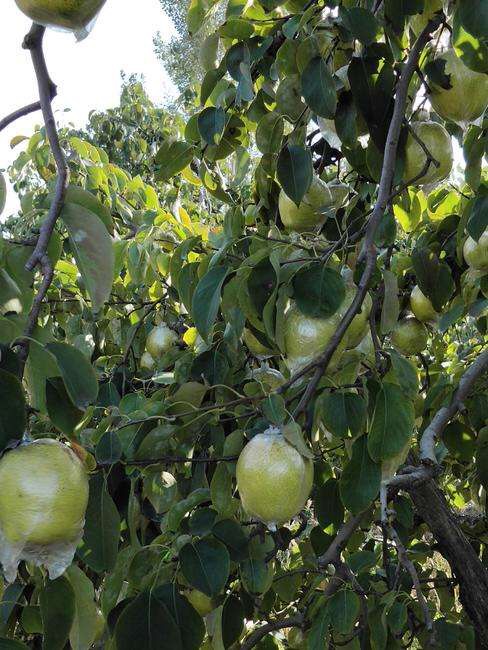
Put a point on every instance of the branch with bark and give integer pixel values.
(370, 253)
(47, 91)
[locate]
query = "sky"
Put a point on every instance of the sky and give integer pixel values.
(87, 73)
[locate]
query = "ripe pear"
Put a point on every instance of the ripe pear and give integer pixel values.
(438, 142)
(274, 480)
(476, 252)
(310, 213)
(467, 98)
(44, 493)
(73, 15)
(421, 306)
(409, 336)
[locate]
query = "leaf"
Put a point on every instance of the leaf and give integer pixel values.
(190, 624)
(318, 88)
(360, 479)
(295, 171)
(212, 366)
(343, 610)
(232, 620)
(13, 418)
(83, 630)
(433, 277)
(61, 410)
(470, 27)
(319, 290)
(206, 565)
(211, 124)
(93, 251)
(328, 505)
(390, 309)
(102, 528)
(319, 632)
(221, 490)
(269, 133)
(274, 409)
(57, 601)
(77, 373)
(109, 449)
(172, 158)
(231, 533)
(360, 22)
(392, 425)
(88, 200)
(404, 374)
(183, 507)
(342, 413)
(206, 299)
(478, 218)
(146, 623)
(10, 644)
(3, 193)
(292, 432)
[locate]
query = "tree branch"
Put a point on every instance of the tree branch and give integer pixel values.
(446, 413)
(332, 554)
(370, 252)
(20, 112)
(254, 638)
(33, 42)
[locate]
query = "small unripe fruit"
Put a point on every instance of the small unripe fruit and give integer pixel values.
(421, 306)
(147, 362)
(311, 212)
(476, 252)
(273, 479)
(160, 340)
(409, 336)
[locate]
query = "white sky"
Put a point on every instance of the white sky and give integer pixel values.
(87, 73)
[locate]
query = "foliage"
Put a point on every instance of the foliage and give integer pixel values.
(177, 222)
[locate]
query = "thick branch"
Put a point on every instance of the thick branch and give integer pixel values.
(332, 554)
(445, 414)
(33, 42)
(369, 250)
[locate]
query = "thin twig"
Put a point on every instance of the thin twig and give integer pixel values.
(254, 638)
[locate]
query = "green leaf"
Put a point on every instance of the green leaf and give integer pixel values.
(343, 610)
(146, 623)
(342, 412)
(377, 629)
(469, 36)
(211, 124)
(61, 410)
(190, 624)
(295, 171)
(183, 507)
(206, 565)
(319, 291)
(3, 193)
(172, 158)
(478, 218)
(360, 22)
(88, 200)
(83, 630)
(77, 373)
(57, 601)
(269, 133)
(433, 277)
(292, 432)
(318, 636)
(109, 448)
(212, 366)
(231, 533)
(232, 620)
(221, 490)
(392, 425)
(360, 479)
(318, 88)
(404, 373)
(93, 251)
(206, 300)
(274, 409)
(328, 505)
(102, 528)
(13, 414)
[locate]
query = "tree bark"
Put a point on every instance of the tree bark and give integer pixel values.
(466, 566)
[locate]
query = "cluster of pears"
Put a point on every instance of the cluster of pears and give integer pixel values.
(73, 15)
